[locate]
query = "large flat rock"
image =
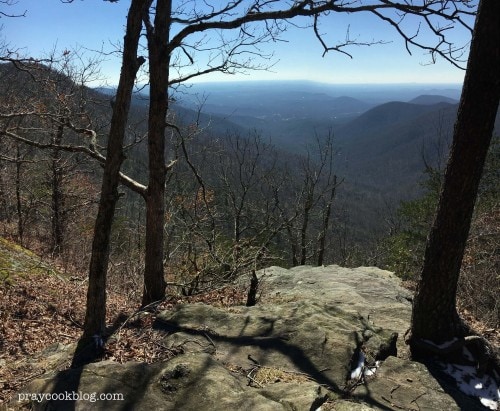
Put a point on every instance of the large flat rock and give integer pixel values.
(370, 292)
(314, 338)
(294, 350)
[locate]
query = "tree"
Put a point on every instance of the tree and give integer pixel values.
(41, 105)
(245, 169)
(186, 41)
(409, 226)
(434, 315)
(95, 316)
(179, 38)
(159, 65)
(311, 188)
(223, 222)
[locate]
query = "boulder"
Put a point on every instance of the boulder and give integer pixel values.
(306, 345)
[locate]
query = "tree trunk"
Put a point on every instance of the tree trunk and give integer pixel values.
(159, 61)
(434, 309)
(19, 204)
(95, 315)
(308, 204)
(326, 223)
(57, 194)
(293, 243)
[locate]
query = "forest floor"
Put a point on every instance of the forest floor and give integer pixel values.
(37, 310)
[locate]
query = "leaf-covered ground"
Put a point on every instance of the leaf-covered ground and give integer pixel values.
(40, 307)
(37, 310)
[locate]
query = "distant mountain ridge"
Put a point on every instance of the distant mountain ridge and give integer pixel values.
(385, 145)
(385, 115)
(380, 145)
(429, 99)
(372, 138)
(285, 105)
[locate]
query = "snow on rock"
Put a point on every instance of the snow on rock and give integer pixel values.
(485, 387)
(362, 368)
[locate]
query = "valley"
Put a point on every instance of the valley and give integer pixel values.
(381, 133)
(370, 123)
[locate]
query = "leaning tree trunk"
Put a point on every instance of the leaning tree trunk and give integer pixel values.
(95, 315)
(159, 61)
(434, 315)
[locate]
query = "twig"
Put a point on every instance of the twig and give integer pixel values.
(253, 379)
(211, 341)
(395, 388)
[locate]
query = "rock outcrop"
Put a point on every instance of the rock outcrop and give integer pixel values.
(322, 338)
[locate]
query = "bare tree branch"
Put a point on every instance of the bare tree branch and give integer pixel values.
(89, 151)
(392, 12)
(10, 3)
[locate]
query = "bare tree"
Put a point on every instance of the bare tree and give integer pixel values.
(221, 223)
(157, 35)
(330, 185)
(183, 38)
(306, 204)
(245, 166)
(435, 316)
(95, 317)
(189, 33)
(40, 105)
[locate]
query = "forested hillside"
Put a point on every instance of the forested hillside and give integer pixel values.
(236, 201)
(253, 205)
(128, 198)
(327, 194)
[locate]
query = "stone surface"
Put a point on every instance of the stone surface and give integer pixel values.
(294, 350)
(374, 294)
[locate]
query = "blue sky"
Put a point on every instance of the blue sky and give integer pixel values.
(95, 24)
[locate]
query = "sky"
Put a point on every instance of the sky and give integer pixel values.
(90, 25)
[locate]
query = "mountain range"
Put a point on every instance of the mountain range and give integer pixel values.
(382, 134)
(380, 145)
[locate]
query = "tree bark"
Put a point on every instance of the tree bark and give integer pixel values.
(326, 223)
(19, 204)
(95, 315)
(434, 314)
(57, 194)
(159, 62)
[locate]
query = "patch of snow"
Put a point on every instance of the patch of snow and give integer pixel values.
(362, 368)
(485, 388)
(371, 370)
(356, 372)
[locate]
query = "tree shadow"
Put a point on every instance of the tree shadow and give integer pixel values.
(421, 400)
(138, 381)
(448, 384)
(66, 383)
(264, 341)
